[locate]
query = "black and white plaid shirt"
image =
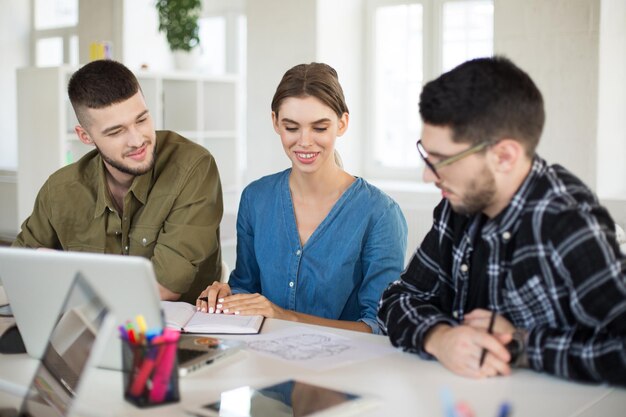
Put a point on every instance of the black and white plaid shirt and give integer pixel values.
(554, 268)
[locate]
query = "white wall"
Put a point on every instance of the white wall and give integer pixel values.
(612, 100)
(340, 44)
(556, 42)
(143, 43)
(8, 206)
(281, 34)
(14, 47)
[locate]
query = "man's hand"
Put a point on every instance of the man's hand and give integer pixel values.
(167, 294)
(479, 319)
(459, 349)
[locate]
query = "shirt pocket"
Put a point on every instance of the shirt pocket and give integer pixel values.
(143, 240)
(528, 305)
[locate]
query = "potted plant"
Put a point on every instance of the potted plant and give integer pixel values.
(179, 20)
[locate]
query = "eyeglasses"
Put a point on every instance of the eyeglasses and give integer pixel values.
(450, 160)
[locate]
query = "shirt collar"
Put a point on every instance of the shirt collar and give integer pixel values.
(139, 188)
(506, 222)
(141, 185)
(103, 201)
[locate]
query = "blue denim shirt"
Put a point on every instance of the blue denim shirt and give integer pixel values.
(343, 268)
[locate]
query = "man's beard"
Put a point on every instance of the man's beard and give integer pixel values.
(125, 168)
(479, 195)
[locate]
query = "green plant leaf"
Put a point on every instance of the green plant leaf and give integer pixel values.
(178, 19)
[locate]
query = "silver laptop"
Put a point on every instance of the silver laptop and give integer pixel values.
(76, 341)
(36, 282)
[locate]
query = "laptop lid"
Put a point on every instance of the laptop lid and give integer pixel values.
(36, 283)
(77, 339)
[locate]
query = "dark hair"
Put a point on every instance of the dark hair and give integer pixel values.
(316, 80)
(100, 84)
(485, 99)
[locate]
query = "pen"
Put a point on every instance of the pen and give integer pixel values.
(203, 298)
(505, 410)
(492, 320)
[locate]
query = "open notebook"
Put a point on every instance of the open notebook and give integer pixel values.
(76, 341)
(184, 317)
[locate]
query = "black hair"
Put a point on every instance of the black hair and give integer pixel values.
(485, 99)
(100, 84)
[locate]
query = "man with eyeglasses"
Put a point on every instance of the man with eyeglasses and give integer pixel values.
(521, 267)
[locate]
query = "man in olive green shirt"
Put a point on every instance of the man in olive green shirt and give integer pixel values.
(140, 192)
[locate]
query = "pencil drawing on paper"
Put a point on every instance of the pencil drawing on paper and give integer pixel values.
(300, 347)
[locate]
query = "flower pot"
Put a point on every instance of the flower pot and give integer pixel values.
(187, 60)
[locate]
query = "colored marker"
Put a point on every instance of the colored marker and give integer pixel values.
(448, 402)
(164, 366)
(505, 410)
(141, 322)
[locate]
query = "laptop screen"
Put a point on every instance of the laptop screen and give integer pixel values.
(67, 354)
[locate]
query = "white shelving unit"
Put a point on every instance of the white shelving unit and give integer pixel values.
(201, 108)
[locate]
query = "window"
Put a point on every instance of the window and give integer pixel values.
(411, 42)
(54, 32)
(223, 44)
(223, 38)
(213, 44)
(467, 31)
(52, 14)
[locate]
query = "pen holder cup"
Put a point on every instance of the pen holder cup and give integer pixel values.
(150, 373)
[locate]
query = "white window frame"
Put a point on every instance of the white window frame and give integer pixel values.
(66, 33)
(432, 67)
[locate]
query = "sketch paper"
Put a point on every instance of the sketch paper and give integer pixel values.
(315, 349)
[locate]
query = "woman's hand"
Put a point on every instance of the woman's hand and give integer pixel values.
(253, 304)
(210, 299)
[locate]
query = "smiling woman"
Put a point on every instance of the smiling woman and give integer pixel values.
(314, 243)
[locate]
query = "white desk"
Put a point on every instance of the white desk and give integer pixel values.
(405, 384)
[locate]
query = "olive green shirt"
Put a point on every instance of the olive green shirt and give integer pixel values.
(171, 214)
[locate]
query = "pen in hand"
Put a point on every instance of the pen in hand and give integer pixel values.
(206, 299)
(492, 320)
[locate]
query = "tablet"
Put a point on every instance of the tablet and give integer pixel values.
(288, 398)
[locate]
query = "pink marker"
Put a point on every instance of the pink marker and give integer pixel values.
(164, 366)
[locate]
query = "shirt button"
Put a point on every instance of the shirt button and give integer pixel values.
(126, 248)
(117, 233)
(125, 218)
(298, 252)
(455, 314)
(506, 235)
(144, 241)
(291, 284)
(464, 268)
